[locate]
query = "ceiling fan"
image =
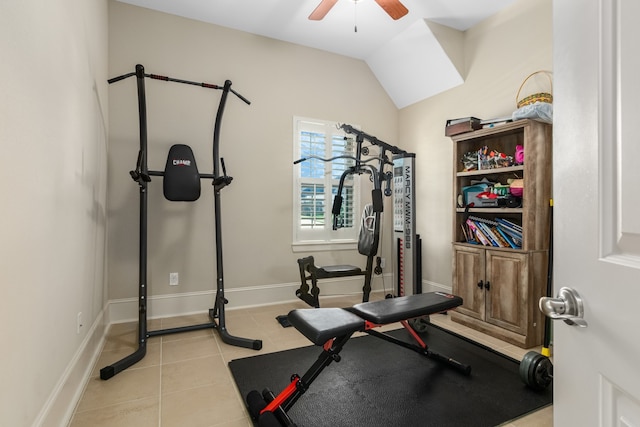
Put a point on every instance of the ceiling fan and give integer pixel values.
(394, 8)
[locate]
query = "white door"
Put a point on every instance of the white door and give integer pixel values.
(596, 173)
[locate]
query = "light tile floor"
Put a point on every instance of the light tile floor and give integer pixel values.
(184, 380)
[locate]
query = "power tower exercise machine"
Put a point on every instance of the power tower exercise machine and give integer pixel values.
(181, 182)
(406, 251)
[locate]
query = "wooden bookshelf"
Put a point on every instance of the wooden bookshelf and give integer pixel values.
(501, 286)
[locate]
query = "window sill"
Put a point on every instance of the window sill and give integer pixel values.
(312, 246)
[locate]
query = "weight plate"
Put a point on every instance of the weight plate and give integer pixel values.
(543, 373)
(525, 365)
(536, 370)
(420, 324)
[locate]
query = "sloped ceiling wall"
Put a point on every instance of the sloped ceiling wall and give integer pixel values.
(414, 65)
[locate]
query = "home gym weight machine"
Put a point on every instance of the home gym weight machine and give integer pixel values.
(407, 271)
(181, 182)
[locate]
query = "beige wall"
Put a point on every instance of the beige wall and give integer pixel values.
(53, 122)
(281, 80)
(53, 125)
(499, 54)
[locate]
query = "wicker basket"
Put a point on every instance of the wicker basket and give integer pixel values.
(536, 97)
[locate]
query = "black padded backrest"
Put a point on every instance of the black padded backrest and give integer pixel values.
(181, 178)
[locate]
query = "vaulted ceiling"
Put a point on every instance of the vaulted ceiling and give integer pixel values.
(413, 58)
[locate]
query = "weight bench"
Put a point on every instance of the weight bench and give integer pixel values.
(331, 328)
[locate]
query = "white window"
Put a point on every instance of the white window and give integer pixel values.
(316, 184)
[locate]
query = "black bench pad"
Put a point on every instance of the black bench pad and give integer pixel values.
(403, 308)
(321, 324)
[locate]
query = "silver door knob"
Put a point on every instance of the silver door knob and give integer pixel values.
(566, 306)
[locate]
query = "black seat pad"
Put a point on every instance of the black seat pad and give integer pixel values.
(402, 308)
(338, 271)
(321, 324)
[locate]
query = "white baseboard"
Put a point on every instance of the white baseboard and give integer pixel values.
(125, 310)
(60, 405)
(434, 287)
(159, 306)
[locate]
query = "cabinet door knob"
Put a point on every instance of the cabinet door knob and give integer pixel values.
(480, 284)
(487, 285)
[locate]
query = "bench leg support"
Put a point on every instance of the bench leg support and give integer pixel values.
(422, 348)
(279, 405)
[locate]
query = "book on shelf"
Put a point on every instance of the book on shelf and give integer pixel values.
(512, 229)
(494, 233)
(478, 235)
(509, 224)
(482, 233)
(483, 220)
(516, 235)
(488, 231)
(508, 239)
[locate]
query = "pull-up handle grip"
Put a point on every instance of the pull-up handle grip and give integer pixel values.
(376, 198)
(122, 77)
(240, 96)
(387, 188)
(337, 205)
(224, 169)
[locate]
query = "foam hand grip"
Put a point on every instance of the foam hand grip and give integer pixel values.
(376, 199)
(337, 205)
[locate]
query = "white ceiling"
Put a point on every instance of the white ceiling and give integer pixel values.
(377, 41)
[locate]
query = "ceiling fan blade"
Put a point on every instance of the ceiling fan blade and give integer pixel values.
(322, 9)
(394, 8)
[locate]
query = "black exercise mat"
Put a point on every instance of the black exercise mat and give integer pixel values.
(378, 383)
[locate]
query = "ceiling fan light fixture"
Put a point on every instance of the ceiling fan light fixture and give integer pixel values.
(322, 9)
(394, 8)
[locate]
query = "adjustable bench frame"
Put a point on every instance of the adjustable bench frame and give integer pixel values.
(331, 328)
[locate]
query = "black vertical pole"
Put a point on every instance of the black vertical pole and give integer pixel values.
(219, 182)
(142, 300)
(141, 175)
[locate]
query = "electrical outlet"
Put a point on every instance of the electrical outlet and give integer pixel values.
(79, 322)
(382, 262)
(174, 279)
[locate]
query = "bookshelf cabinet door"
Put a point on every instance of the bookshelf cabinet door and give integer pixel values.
(507, 299)
(469, 280)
